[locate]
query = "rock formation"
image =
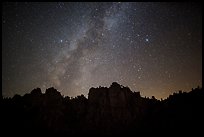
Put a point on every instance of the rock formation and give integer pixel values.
(107, 111)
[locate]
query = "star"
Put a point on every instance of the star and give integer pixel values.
(76, 46)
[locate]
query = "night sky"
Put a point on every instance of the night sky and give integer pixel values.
(154, 48)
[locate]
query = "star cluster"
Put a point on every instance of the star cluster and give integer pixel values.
(155, 48)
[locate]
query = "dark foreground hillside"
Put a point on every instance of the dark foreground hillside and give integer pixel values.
(107, 111)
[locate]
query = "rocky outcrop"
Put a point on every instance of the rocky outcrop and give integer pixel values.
(110, 105)
(115, 108)
(107, 111)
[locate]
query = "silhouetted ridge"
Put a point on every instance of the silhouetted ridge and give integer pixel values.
(107, 111)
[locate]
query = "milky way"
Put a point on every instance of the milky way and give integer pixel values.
(155, 48)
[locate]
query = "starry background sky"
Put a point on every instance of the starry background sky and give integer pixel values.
(154, 48)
